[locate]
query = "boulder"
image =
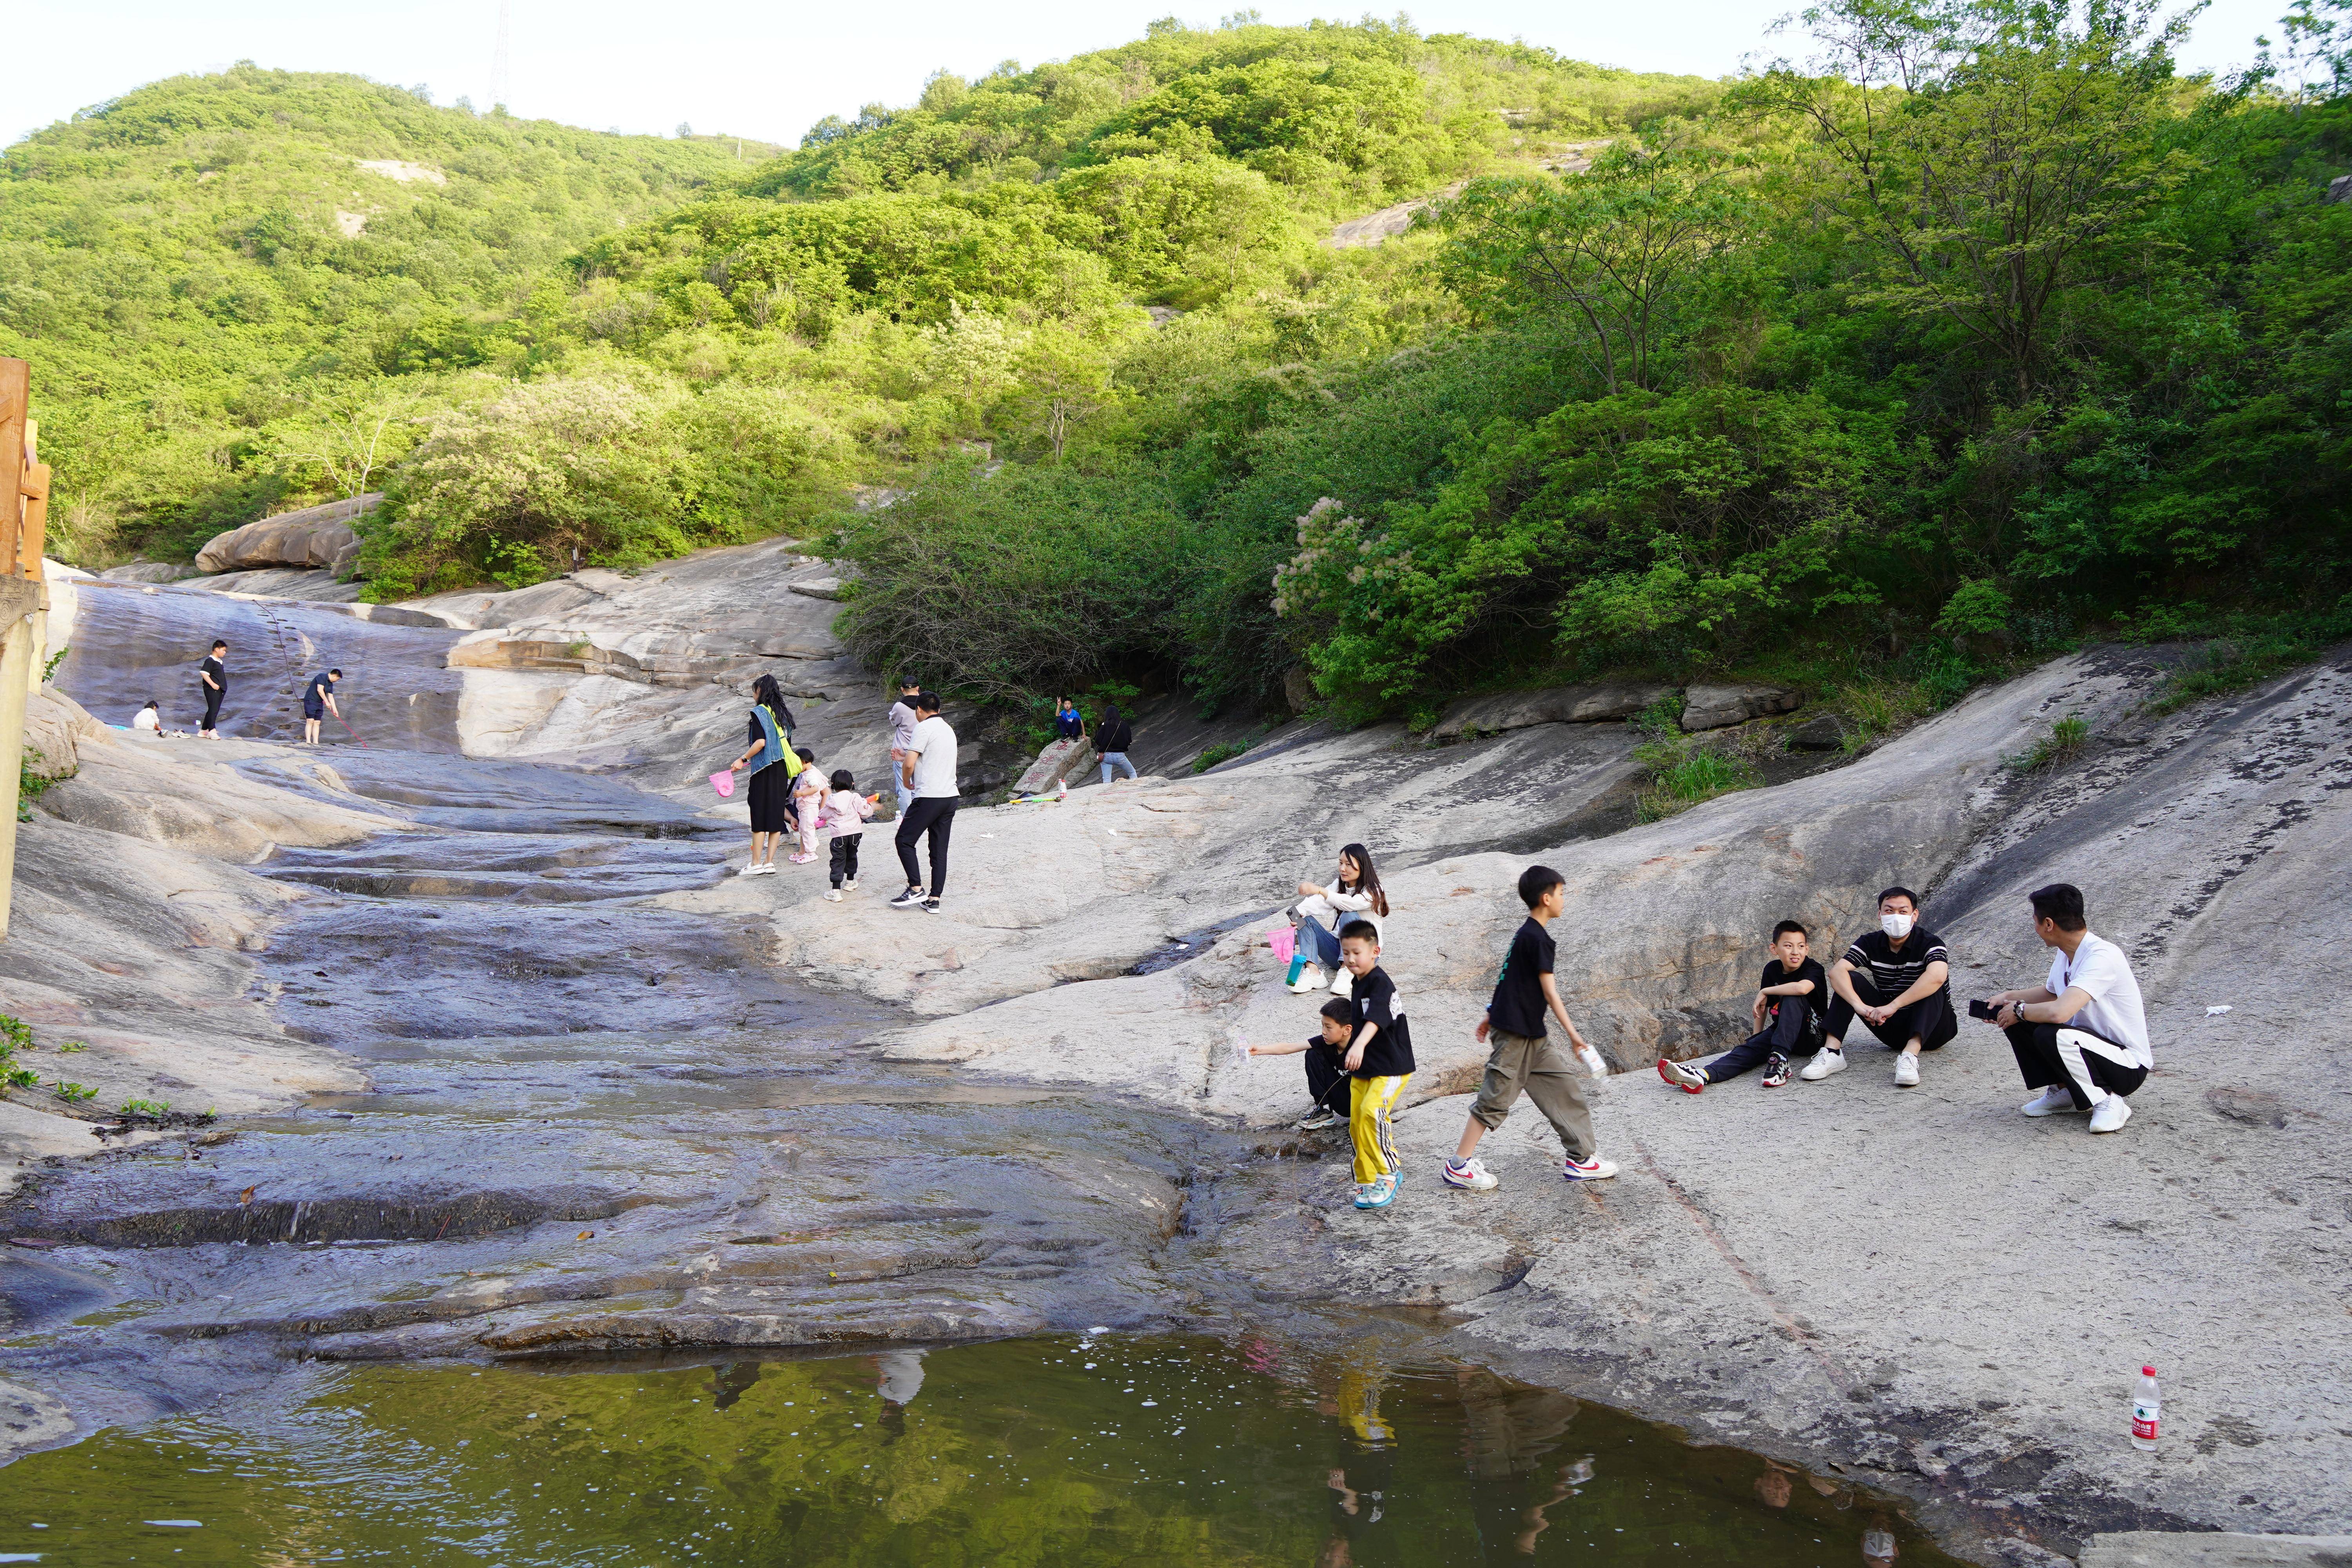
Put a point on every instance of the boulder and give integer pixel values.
(2339, 189)
(1055, 762)
(818, 587)
(55, 727)
(1553, 705)
(1825, 732)
(317, 536)
(1715, 707)
(148, 572)
(1299, 689)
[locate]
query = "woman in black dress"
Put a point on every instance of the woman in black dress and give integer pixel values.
(771, 786)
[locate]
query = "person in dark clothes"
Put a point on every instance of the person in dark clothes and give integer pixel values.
(773, 764)
(1113, 736)
(1521, 1057)
(1787, 1010)
(1896, 980)
(212, 681)
(1323, 1073)
(317, 701)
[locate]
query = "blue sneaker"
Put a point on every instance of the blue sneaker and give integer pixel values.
(1380, 1195)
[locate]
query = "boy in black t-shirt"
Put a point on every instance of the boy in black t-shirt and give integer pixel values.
(1788, 1013)
(1324, 1052)
(1523, 1057)
(1379, 1061)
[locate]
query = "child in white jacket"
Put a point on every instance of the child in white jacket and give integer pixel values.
(846, 812)
(1355, 894)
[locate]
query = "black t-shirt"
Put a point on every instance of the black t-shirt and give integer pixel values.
(1518, 1006)
(219, 672)
(1814, 1002)
(315, 694)
(1390, 1054)
(1891, 973)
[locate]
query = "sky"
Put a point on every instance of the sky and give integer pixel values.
(770, 70)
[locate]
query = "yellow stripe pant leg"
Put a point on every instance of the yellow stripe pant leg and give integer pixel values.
(1371, 1100)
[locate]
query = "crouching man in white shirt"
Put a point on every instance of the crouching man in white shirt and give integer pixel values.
(2080, 1037)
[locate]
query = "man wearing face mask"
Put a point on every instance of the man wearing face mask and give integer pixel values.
(1893, 979)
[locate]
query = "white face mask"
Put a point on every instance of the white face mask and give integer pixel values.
(1897, 926)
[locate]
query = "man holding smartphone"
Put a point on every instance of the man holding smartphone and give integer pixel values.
(2082, 1037)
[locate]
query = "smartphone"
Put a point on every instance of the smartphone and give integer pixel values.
(1984, 1010)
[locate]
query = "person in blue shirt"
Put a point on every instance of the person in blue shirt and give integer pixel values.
(1069, 724)
(317, 701)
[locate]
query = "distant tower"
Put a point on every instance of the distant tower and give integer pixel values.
(499, 58)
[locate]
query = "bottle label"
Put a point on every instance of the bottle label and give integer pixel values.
(2143, 1422)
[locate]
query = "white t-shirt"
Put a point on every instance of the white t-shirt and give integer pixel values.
(2100, 972)
(933, 745)
(148, 719)
(902, 724)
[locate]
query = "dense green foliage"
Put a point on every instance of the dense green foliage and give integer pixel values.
(1978, 331)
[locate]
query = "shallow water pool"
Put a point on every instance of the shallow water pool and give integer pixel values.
(1078, 1450)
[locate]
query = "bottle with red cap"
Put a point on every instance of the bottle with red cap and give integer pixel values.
(2147, 1407)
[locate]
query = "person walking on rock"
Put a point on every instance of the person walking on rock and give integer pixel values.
(1113, 736)
(317, 701)
(902, 733)
(212, 681)
(1894, 980)
(846, 812)
(929, 777)
(1354, 894)
(2081, 1036)
(1521, 1057)
(1786, 1010)
(773, 764)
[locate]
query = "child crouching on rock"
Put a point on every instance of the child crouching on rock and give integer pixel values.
(1522, 1056)
(846, 812)
(1378, 1062)
(1323, 1073)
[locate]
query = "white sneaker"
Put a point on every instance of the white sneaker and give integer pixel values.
(1907, 1070)
(2051, 1101)
(850, 886)
(1593, 1170)
(1309, 979)
(1343, 984)
(833, 895)
(1825, 1062)
(750, 871)
(1471, 1175)
(2110, 1114)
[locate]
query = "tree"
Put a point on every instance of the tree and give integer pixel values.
(350, 437)
(1613, 249)
(1999, 153)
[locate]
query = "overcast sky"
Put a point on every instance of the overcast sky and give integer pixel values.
(769, 69)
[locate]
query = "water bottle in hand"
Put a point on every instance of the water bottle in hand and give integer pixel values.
(2147, 1407)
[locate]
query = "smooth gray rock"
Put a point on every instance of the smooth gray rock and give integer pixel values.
(2165, 1549)
(317, 536)
(148, 572)
(1718, 707)
(1553, 705)
(1059, 761)
(1825, 732)
(818, 587)
(2339, 189)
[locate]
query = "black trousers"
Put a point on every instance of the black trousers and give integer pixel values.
(1930, 1018)
(932, 815)
(1324, 1076)
(844, 856)
(1785, 1031)
(2052, 1054)
(213, 696)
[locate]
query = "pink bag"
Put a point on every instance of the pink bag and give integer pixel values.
(1284, 939)
(723, 780)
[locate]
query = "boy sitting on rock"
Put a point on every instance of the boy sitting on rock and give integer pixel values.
(1787, 1010)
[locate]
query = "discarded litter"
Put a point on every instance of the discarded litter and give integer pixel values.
(2217, 1011)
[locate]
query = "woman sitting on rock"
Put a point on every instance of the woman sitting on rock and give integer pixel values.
(771, 786)
(1355, 895)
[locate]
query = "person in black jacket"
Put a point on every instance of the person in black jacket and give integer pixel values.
(1112, 738)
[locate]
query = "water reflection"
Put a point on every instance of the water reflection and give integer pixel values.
(1053, 1451)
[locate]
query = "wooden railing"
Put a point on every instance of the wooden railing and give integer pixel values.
(24, 478)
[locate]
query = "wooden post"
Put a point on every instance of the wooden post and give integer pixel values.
(15, 397)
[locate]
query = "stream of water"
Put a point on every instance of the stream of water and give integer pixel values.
(573, 1282)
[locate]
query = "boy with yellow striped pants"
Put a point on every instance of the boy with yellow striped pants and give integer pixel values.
(1378, 1062)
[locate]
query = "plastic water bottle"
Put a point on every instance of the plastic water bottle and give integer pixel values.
(2147, 1407)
